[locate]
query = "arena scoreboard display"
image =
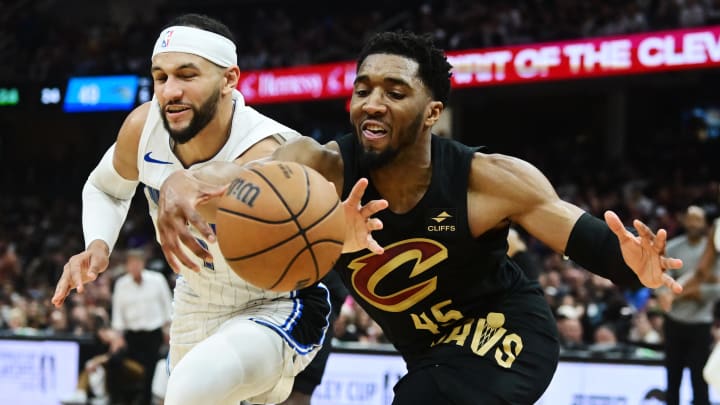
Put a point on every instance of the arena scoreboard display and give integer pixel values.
(79, 94)
(652, 52)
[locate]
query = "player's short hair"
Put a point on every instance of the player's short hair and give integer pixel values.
(202, 22)
(434, 69)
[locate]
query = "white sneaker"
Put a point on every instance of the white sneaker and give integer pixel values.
(79, 397)
(104, 400)
(96, 381)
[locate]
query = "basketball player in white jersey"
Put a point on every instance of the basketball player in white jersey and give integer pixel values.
(229, 341)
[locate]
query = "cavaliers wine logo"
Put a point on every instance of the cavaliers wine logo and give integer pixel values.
(370, 270)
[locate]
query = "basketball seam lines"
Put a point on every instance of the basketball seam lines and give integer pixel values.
(293, 236)
(246, 216)
(294, 217)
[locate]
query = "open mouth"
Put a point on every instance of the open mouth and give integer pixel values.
(372, 130)
(176, 111)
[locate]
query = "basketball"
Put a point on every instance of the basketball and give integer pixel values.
(280, 226)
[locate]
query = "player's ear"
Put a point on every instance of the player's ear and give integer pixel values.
(433, 112)
(231, 77)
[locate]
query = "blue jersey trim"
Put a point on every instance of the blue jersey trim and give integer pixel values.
(285, 330)
(154, 194)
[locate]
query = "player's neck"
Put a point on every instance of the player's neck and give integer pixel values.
(211, 139)
(413, 165)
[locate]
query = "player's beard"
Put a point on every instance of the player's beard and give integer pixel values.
(201, 117)
(373, 159)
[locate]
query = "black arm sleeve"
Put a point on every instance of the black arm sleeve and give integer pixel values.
(595, 247)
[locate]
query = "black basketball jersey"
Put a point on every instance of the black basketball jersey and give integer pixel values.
(434, 275)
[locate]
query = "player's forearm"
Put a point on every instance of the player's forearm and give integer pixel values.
(102, 216)
(106, 200)
(595, 247)
(217, 173)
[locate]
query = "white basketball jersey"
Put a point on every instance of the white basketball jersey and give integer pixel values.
(216, 283)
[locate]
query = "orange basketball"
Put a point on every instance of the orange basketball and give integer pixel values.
(280, 226)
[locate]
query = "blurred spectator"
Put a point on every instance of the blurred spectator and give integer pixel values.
(355, 325)
(367, 329)
(692, 14)
(605, 336)
(603, 304)
(571, 332)
(58, 322)
(344, 327)
(9, 263)
(642, 331)
(141, 308)
(657, 320)
(109, 377)
(688, 322)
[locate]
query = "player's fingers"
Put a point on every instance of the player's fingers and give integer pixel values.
(178, 253)
(373, 207)
(60, 295)
(170, 258)
(95, 268)
(374, 224)
(199, 223)
(194, 245)
(209, 193)
(167, 229)
(647, 243)
(185, 260)
(374, 246)
(660, 241)
(357, 192)
(74, 268)
(61, 291)
(668, 263)
(672, 284)
(643, 230)
(616, 226)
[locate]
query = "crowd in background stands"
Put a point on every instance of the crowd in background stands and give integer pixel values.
(47, 42)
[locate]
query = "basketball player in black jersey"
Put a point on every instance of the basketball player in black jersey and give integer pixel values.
(471, 327)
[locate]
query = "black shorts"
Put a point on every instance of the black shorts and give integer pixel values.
(452, 374)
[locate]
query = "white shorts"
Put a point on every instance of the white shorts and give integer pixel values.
(223, 355)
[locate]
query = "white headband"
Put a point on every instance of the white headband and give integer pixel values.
(213, 47)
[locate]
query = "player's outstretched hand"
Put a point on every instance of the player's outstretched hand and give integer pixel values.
(82, 268)
(644, 253)
(180, 195)
(359, 221)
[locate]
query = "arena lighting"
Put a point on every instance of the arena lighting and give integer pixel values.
(9, 96)
(575, 59)
(50, 95)
(101, 93)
